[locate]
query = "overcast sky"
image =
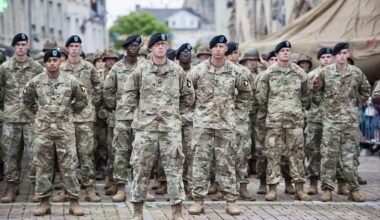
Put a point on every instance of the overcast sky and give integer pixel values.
(117, 8)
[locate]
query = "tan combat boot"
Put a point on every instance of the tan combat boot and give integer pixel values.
(213, 188)
(177, 212)
(289, 189)
(34, 195)
(326, 195)
(272, 193)
(355, 196)
(10, 194)
(219, 195)
(232, 208)
(120, 195)
(60, 197)
(313, 189)
(244, 192)
(112, 189)
(138, 210)
(342, 188)
(44, 207)
(149, 197)
(75, 208)
(300, 194)
(263, 186)
(197, 207)
(91, 195)
(162, 189)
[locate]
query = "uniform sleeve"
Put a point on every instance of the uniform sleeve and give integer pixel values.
(29, 96)
(306, 92)
(244, 97)
(376, 93)
(109, 90)
(97, 87)
(364, 89)
(262, 90)
(193, 77)
(79, 95)
(2, 83)
(187, 96)
(318, 86)
(132, 88)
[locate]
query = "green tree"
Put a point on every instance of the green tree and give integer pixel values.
(142, 23)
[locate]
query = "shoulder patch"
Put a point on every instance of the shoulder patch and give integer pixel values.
(246, 82)
(188, 83)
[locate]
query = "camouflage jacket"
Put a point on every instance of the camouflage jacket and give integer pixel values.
(13, 78)
(285, 93)
(159, 97)
(188, 111)
(259, 111)
(113, 89)
(87, 75)
(216, 100)
(56, 99)
(340, 94)
(314, 112)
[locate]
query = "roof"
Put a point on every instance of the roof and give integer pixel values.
(162, 14)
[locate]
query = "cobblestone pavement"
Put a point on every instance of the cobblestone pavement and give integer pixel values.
(284, 208)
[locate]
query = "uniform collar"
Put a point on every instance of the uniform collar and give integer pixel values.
(227, 67)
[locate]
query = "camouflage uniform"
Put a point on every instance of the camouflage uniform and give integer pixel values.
(113, 92)
(214, 121)
(86, 73)
(285, 93)
(341, 93)
(159, 94)
(54, 128)
(18, 121)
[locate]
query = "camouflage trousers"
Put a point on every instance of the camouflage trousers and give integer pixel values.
(340, 145)
(313, 144)
(288, 143)
(208, 142)
(122, 146)
(243, 154)
(64, 146)
(110, 153)
(15, 138)
(144, 153)
(101, 152)
(187, 136)
(261, 155)
(84, 135)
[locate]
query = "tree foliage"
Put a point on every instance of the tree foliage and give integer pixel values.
(143, 23)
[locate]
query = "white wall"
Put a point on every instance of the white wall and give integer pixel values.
(183, 20)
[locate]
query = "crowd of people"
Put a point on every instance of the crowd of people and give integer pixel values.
(185, 125)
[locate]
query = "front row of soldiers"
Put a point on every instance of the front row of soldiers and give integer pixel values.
(202, 116)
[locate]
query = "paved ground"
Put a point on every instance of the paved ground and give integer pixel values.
(284, 208)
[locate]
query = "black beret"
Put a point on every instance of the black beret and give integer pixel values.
(283, 44)
(181, 48)
(73, 39)
(217, 39)
(324, 50)
(82, 54)
(19, 37)
(157, 37)
(131, 39)
(170, 54)
(271, 54)
(51, 53)
(339, 46)
(232, 46)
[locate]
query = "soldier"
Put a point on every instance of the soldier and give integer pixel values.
(158, 91)
(183, 55)
(86, 73)
(171, 54)
(143, 53)
(49, 45)
(285, 91)
(342, 89)
(18, 121)
(203, 53)
(304, 61)
(215, 81)
(313, 133)
(64, 53)
(243, 130)
(271, 58)
(56, 95)
(113, 91)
